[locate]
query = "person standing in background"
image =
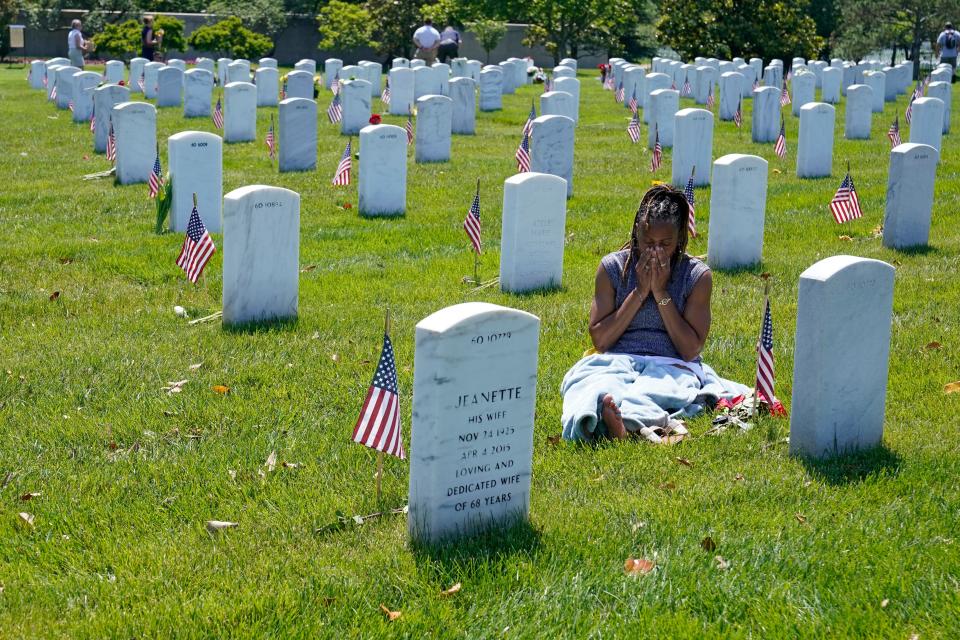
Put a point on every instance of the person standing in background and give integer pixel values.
(947, 45)
(449, 44)
(427, 40)
(76, 45)
(149, 39)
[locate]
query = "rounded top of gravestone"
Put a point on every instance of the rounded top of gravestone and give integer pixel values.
(383, 131)
(731, 74)
(933, 102)
(134, 105)
(908, 148)
(167, 70)
(538, 178)
(554, 120)
(822, 107)
(154, 65)
(859, 88)
(298, 73)
(288, 102)
(694, 113)
(461, 80)
(552, 94)
(831, 267)
(268, 70)
(657, 76)
(449, 318)
(194, 136)
(761, 90)
(664, 92)
(358, 83)
(434, 99)
(113, 87)
(224, 60)
(250, 190)
(240, 86)
(741, 159)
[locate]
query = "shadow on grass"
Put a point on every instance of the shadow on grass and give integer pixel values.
(542, 292)
(918, 250)
(266, 326)
(399, 215)
(494, 545)
(854, 467)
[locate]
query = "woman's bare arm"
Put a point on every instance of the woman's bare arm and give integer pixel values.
(689, 331)
(607, 323)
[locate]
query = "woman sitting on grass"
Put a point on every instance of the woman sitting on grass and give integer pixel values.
(649, 321)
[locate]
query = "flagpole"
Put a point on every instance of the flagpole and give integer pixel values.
(380, 454)
(756, 381)
(476, 255)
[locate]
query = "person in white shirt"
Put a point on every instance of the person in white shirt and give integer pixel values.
(76, 45)
(427, 40)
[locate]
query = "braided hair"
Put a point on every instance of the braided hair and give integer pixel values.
(660, 204)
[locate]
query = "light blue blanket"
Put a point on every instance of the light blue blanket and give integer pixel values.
(648, 390)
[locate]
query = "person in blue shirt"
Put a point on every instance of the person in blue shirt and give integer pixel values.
(947, 45)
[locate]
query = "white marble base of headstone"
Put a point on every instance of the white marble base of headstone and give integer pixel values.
(238, 71)
(169, 87)
(261, 254)
(151, 71)
(84, 83)
(731, 84)
(239, 112)
(926, 126)
(830, 85)
(434, 125)
(803, 91)
(491, 97)
(268, 86)
(355, 101)
(551, 148)
(207, 64)
(401, 91)
(136, 72)
(572, 86)
(474, 67)
(474, 396)
(664, 104)
(858, 116)
(653, 82)
(765, 120)
(841, 355)
(463, 92)
(692, 147)
(400, 63)
(815, 140)
(135, 129)
(441, 73)
(297, 118)
(533, 232)
(942, 91)
(331, 66)
(909, 208)
(65, 85)
(382, 180)
(197, 93)
(267, 63)
(738, 205)
(557, 103)
(195, 160)
(299, 85)
(105, 97)
(113, 71)
(417, 62)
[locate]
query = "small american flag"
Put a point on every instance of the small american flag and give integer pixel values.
(609, 83)
(756, 84)
(218, 115)
(784, 97)
(342, 176)
(673, 85)
(691, 200)
(619, 93)
(738, 114)
(686, 89)
(142, 81)
(547, 84)
(379, 424)
(657, 157)
(111, 144)
(765, 374)
(334, 111)
(385, 94)
(155, 182)
(894, 132)
(335, 85)
(633, 101)
(845, 205)
(271, 142)
(523, 154)
(710, 99)
(781, 147)
(53, 93)
(409, 129)
(471, 223)
(46, 81)
(917, 93)
(93, 120)
(633, 129)
(789, 75)
(528, 125)
(197, 248)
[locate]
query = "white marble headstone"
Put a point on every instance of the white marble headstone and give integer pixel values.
(401, 91)
(942, 91)
(474, 67)
(551, 148)
(177, 63)
(372, 72)
(331, 66)
(815, 140)
(308, 65)
(195, 160)
(238, 71)
(474, 395)
(692, 147)
(731, 84)
(803, 91)
(830, 81)
(151, 71)
(653, 82)
(38, 72)
(105, 98)
(113, 71)
(136, 72)
(135, 128)
(913, 172)
(441, 72)
(664, 104)
(300, 85)
(557, 103)
(926, 127)
(355, 101)
(267, 63)
(738, 204)
(705, 82)
(261, 254)
(400, 63)
(765, 119)
(877, 81)
(169, 87)
(841, 354)
(268, 86)
(634, 84)
(572, 86)
(240, 112)
(463, 92)
(434, 126)
(65, 85)
(383, 170)
(426, 82)
(533, 232)
(298, 135)
(84, 83)
(207, 64)
(491, 96)
(197, 93)
(858, 115)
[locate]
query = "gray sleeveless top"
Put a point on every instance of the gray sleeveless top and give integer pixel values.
(647, 335)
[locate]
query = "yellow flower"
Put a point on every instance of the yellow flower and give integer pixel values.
(654, 183)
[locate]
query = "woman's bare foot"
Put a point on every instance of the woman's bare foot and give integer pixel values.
(610, 414)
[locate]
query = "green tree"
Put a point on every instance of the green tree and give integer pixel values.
(230, 38)
(123, 39)
(452, 12)
(8, 11)
(394, 23)
(262, 16)
(489, 33)
(344, 26)
(826, 14)
(727, 28)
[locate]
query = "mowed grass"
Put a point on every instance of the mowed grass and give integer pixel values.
(128, 474)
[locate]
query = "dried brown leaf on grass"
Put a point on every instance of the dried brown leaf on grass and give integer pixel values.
(667, 486)
(738, 477)
(391, 615)
(708, 544)
(54, 296)
(684, 462)
(29, 496)
(452, 590)
(222, 389)
(638, 566)
(953, 387)
(802, 519)
(934, 346)
(553, 440)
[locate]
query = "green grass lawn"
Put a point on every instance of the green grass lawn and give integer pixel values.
(866, 546)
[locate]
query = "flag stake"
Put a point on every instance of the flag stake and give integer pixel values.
(756, 382)
(380, 454)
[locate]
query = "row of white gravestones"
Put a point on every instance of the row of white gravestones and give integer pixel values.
(298, 135)
(195, 161)
(551, 149)
(197, 93)
(692, 147)
(474, 395)
(261, 254)
(533, 232)
(382, 184)
(239, 112)
(105, 98)
(135, 129)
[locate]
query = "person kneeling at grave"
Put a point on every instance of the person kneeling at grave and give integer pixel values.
(649, 322)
